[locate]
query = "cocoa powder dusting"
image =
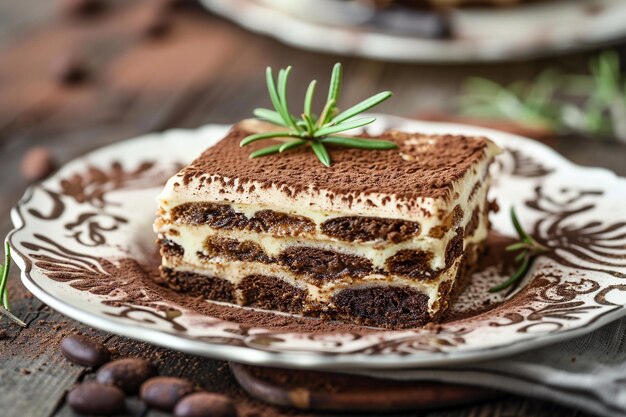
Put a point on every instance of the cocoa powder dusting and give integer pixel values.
(422, 166)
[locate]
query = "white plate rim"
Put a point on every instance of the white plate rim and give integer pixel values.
(302, 360)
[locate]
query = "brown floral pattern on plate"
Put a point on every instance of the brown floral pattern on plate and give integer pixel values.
(84, 241)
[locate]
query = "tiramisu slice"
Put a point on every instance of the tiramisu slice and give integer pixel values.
(380, 238)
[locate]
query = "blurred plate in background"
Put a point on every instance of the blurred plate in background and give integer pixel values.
(354, 27)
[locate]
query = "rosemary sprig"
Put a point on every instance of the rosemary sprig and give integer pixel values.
(591, 104)
(4, 279)
(311, 130)
(528, 249)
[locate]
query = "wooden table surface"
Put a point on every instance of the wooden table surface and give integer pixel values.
(201, 70)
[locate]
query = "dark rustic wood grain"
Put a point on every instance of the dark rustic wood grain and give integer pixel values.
(204, 70)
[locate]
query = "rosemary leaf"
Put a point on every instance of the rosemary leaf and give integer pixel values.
(309, 124)
(4, 279)
(487, 87)
(521, 256)
(333, 90)
(308, 98)
(330, 104)
(606, 72)
(359, 143)
(4, 275)
(260, 136)
(320, 151)
(271, 88)
(335, 83)
(351, 124)
(521, 271)
(291, 144)
(280, 80)
(528, 249)
(516, 246)
(283, 76)
(541, 94)
(269, 116)
(518, 227)
(4, 299)
(361, 107)
(12, 317)
(266, 151)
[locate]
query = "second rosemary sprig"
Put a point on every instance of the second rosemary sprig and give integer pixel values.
(311, 130)
(4, 279)
(591, 104)
(527, 250)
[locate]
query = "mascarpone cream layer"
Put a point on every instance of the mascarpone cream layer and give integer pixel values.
(192, 238)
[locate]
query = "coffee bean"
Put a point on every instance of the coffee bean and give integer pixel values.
(176, 4)
(81, 7)
(68, 69)
(163, 392)
(155, 23)
(37, 163)
(83, 350)
(128, 374)
(204, 404)
(91, 397)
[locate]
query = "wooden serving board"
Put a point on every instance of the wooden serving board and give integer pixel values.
(325, 391)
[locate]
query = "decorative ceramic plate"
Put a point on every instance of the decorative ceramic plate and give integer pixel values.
(83, 238)
(479, 34)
